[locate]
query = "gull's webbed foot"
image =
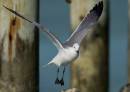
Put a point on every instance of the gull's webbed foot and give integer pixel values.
(57, 81)
(61, 82)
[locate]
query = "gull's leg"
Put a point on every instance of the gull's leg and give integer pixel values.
(57, 80)
(62, 80)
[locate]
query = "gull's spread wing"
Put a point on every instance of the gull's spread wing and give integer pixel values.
(88, 21)
(56, 42)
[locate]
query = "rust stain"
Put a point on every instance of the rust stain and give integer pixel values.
(14, 27)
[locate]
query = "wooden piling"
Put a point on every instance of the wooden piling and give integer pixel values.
(18, 47)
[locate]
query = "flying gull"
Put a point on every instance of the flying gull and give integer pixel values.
(69, 50)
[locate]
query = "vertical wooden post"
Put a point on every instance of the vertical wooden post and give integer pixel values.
(90, 71)
(18, 47)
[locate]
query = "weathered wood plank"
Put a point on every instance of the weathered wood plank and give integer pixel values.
(18, 47)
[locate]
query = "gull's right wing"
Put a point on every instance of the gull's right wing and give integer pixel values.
(88, 22)
(53, 38)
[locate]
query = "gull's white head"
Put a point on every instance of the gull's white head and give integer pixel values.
(76, 46)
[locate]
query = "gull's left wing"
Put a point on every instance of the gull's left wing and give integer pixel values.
(53, 38)
(88, 21)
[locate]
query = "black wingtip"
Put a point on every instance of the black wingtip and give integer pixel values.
(98, 8)
(6, 7)
(10, 10)
(14, 12)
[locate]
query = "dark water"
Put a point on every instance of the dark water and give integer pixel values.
(55, 15)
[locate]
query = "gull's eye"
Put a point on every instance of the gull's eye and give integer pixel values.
(76, 46)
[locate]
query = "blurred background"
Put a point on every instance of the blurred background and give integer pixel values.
(55, 16)
(91, 73)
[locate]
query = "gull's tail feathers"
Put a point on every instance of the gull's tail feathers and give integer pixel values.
(50, 63)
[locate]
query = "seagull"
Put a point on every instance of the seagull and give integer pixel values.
(69, 50)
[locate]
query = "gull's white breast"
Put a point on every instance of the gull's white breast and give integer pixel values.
(65, 56)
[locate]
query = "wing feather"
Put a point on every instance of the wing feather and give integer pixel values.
(54, 39)
(87, 22)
